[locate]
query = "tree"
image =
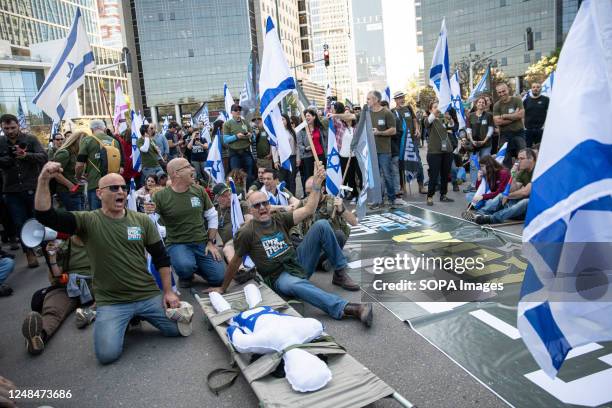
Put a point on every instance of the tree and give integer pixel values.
(540, 70)
(479, 69)
(424, 96)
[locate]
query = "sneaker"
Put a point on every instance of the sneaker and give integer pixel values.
(445, 199)
(468, 216)
(5, 290)
(375, 206)
(430, 201)
(398, 202)
(481, 219)
(32, 330)
(84, 317)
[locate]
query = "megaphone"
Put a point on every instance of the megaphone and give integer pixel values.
(33, 233)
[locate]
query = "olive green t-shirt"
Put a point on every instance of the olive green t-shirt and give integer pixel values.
(183, 214)
(438, 137)
(270, 247)
(151, 157)
(232, 127)
(68, 161)
(383, 120)
(116, 250)
(524, 177)
(263, 145)
(501, 108)
(90, 147)
(225, 221)
(72, 258)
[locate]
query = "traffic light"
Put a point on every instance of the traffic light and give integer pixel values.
(127, 60)
(326, 55)
(529, 39)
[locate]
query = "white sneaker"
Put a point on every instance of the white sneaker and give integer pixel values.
(398, 202)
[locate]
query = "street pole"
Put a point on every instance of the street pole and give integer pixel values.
(471, 76)
(472, 63)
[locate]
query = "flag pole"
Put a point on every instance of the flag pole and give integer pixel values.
(106, 103)
(312, 146)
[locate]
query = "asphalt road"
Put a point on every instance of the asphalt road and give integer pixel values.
(162, 372)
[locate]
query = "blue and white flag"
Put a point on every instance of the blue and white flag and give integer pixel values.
(365, 152)
(150, 265)
(202, 116)
(228, 102)
(21, 118)
(278, 136)
(439, 73)
(482, 86)
(566, 294)
(55, 128)
(275, 80)
(409, 156)
(386, 95)
(547, 87)
(501, 153)
(333, 179)
(238, 220)
(475, 159)
(165, 126)
(456, 99)
(214, 161)
(68, 71)
(137, 122)
(131, 198)
(483, 188)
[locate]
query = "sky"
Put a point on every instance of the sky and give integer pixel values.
(400, 42)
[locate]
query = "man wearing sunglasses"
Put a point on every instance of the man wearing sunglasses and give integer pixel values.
(183, 207)
(116, 240)
(287, 270)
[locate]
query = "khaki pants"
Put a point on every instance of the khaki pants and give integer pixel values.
(267, 163)
(56, 308)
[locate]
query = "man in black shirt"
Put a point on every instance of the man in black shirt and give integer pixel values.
(536, 107)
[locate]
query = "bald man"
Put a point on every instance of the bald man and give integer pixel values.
(116, 240)
(266, 240)
(182, 207)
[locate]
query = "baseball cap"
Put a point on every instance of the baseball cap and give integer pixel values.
(182, 315)
(220, 188)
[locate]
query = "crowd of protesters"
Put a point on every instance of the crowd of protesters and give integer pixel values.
(80, 186)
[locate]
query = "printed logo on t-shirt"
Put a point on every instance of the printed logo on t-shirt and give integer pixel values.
(484, 122)
(274, 245)
(510, 110)
(134, 233)
(406, 114)
(381, 122)
(195, 202)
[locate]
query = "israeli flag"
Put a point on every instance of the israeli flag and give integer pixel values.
(228, 101)
(137, 122)
(278, 136)
(131, 198)
(439, 73)
(566, 294)
(333, 179)
(456, 99)
(501, 153)
(386, 95)
(483, 188)
(547, 86)
(150, 265)
(475, 159)
(275, 80)
(68, 71)
(55, 128)
(23, 124)
(121, 107)
(506, 191)
(214, 161)
(238, 219)
(481, 87)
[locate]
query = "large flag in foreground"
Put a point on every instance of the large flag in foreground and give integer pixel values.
(439, 73)
(456, 99)
(365, 152)
(68, 71)
(566, 295)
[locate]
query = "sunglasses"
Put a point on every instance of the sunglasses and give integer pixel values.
(115, 188)
(260, 204)
(59, 140)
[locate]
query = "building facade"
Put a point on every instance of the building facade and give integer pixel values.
(369, 42)
(484, 28)
(28, 26)
(331, 24)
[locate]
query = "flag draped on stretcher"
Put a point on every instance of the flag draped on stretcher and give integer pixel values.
(566, 297)
(238, 219)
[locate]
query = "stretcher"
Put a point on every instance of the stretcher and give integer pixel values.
(352, 384)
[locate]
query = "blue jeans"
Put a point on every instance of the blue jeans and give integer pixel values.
(386, 173)
(514, 209)
(396, 173)
(6, 268)
(72, 201)
(487, 206)
(147, 171)
(243, 160)
(419, 176)
(20, 207)
(188, 259)
(320, 237)
(484, 151)
(112, 321)
(93, 200)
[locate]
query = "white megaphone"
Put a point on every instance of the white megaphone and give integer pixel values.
(33, 233)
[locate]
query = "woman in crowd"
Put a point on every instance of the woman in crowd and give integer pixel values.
(285, 175)
(480, 128)
(439, 153)
(57, 140)
(240, 178)
(143, 194)
(69, 191)
(496, 177)
(199, 151)
(319, 139)
(344, 122)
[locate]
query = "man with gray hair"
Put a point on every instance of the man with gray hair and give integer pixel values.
(89, 162)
